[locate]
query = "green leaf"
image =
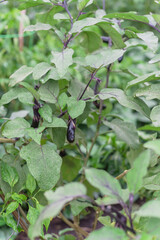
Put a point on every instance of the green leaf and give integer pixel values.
(32, 214)
(114, 34)
(35, 133)
(103, 58)
(44, 164)
(110, 233)
(154, 145)
(30, 183)
(86, 22)
(155, 59)
(40, 70)
(20, 75)
(22, 94)
(57, 200)
(150, 92)
(78, 205)
(15, 128)
(155, 116)
(38, 27)
(126, 101)
(9, 220)
(81, 4)
(62, 60)
(128, 16)
(46, 113)
(102, 180)
(88, 42)
(58, 136)
(20, 198)
(9, 174)
(75, 108)
(69, 163)
(150, 39)
(150, 209)
(125, 131)
(77, 85)
(11, 207)
(136, 174)
(56, 123)
(144, 78)
(49, 91)
(31, 90)
(31, 3)
(62, 100)
(152, 183)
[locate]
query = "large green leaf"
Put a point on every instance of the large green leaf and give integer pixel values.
(81, 4)
(40, 70)
(144, 78)
(150, 92)
(35, 133)
(102, 180)
(46, 113)
(22, 94)
(155, 116)
(107, 233)
(31, 3)
(69, 163)
(20, 75)
(15, 128)
(62, 60)
(150, 39)
(86, 22)
(75, 108)
(103, 57)
(30, 89)
(114, 34)
(49, 91)
(125, 131)
(126, 101)
(152, 183)
(9, 174)
(57, 200)
(150, 209)
(154, 145)
(128, 16)
(56, 123)
(136, 174)
(43, 163)
(38, 27)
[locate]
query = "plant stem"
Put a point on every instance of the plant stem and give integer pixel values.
(104, 4)
(122, 174)
(96, 218)
(7, 140)
(93, 142)
(74, 226)
(92, 76)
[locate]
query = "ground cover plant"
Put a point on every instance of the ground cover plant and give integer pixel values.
(85, 136)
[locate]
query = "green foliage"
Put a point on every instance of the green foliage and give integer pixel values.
(79, 106)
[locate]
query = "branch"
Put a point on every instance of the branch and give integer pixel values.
(92, 76)
(104, 4)
(122, 174)
(74, 226)
(7, 140)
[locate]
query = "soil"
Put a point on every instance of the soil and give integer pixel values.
(57, 224)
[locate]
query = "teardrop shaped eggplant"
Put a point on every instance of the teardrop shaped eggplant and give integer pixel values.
(71, 130)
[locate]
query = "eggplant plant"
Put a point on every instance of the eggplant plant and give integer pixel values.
(82, 141)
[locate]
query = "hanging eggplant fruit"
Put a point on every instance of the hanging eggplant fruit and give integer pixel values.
(71, 130)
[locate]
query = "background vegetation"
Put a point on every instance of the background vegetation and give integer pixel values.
(62, 144)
